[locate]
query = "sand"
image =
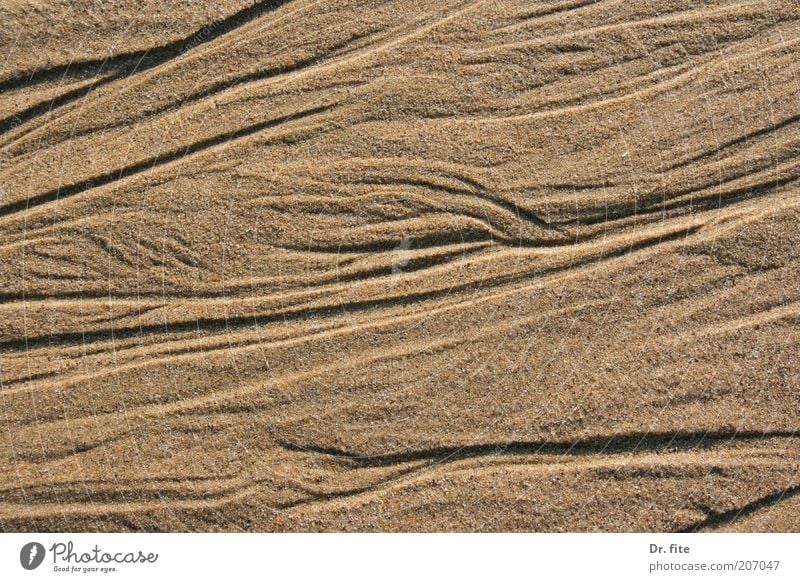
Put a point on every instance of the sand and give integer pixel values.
(400, 266)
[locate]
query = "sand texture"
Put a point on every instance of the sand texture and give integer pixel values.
(334, 265)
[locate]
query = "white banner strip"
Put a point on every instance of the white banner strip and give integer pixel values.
(372, 557)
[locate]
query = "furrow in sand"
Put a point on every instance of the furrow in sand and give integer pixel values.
(121, 66)
(652, 242)
(743, 139)
(677, 462)
(254, 339)
(671, 18)
(716, 519)
(19, 118)
(554, 9)
(602, 445)
(220, 492)
(119, 174)
(8, 513)
(298, 69)
(661, 87)
(154, 55)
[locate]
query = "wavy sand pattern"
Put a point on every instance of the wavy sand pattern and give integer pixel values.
(357, 265)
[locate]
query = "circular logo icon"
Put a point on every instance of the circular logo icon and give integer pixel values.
(31, 555)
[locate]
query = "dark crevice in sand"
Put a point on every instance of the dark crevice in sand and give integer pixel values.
(606, 445)
(558, 9)
(576, 186)
(431, 241)
(123, 64)
(219, 87)
(70, 451)
(335, 276)
(119, 493)
(16, 119)
(662, 202)
(736, 141)
(413, 265)
(720, 519)
(200, 325)
(87, 483)
(151, 163)
(521, 213)
(316, 496)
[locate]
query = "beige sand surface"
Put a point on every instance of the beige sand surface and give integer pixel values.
(353, 265)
